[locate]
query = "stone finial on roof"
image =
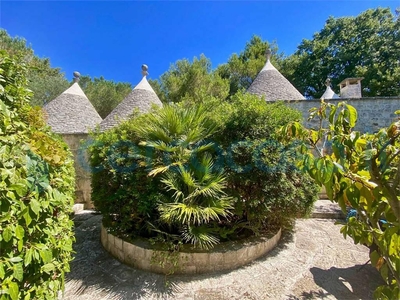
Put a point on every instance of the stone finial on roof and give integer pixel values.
(268, 54)
(77, 76)
(144, 70)
(328, 82)
(329, 93)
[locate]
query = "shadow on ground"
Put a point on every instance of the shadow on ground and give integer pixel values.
(287, 272)
(94, 272)
(97, 274)
(357, 282)
(348, 283)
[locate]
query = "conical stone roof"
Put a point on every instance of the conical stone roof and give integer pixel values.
(142, 97)
(271, 84)
(71, 112)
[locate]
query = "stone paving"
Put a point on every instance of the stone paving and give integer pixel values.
(312, 262)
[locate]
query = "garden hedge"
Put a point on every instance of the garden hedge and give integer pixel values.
(36, 195)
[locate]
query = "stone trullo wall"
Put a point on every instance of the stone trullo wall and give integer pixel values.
(76, 143)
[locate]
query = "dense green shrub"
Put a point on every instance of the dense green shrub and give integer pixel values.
(153, 183)
(261, 172)
(121, 187)
(188, 173)
(36, 195)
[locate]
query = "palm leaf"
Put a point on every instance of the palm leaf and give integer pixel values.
(162, 169)
(182, 213)
(199, 236)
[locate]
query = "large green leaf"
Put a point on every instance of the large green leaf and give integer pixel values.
(28, 256)
(20, 188)
(19, 232)
(352, 115)
(48, 268)
(353, 196)
(7, 234)
(46, 256)
(13, 290)
(35, 206)
(328, 170)
(15, 259)
(18, 271)
(394, 245)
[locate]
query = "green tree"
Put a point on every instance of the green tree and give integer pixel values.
(367, 45)
(242, 69)
(104, 94)
(45, 82)
(191, 81)
(363, 173)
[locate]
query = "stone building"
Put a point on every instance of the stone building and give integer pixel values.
(72, 116)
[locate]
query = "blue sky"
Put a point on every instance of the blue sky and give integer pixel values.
(114, 38)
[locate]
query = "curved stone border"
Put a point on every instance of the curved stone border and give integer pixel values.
(224, 256)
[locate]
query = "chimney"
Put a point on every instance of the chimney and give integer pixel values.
(351, 88)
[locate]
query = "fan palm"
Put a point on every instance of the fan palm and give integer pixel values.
(179, 157)
(198, 201)
(173, 134)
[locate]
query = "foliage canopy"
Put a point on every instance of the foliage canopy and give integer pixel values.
(177, 173)
(190, 80)
(36, 195)
(367, 45)
(45, 82)
(363, 173)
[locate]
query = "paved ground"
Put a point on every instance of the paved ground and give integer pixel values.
(312, 262)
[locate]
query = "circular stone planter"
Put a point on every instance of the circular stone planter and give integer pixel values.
(225, 256)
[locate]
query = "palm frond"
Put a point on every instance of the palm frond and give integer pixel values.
(167, 235)
(200, 236)
(162, 169)
(172, 184)
(212, 189)
(182, 213)
(188, 178)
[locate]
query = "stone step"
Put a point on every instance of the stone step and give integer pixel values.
(325, 209)
(78, 207)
